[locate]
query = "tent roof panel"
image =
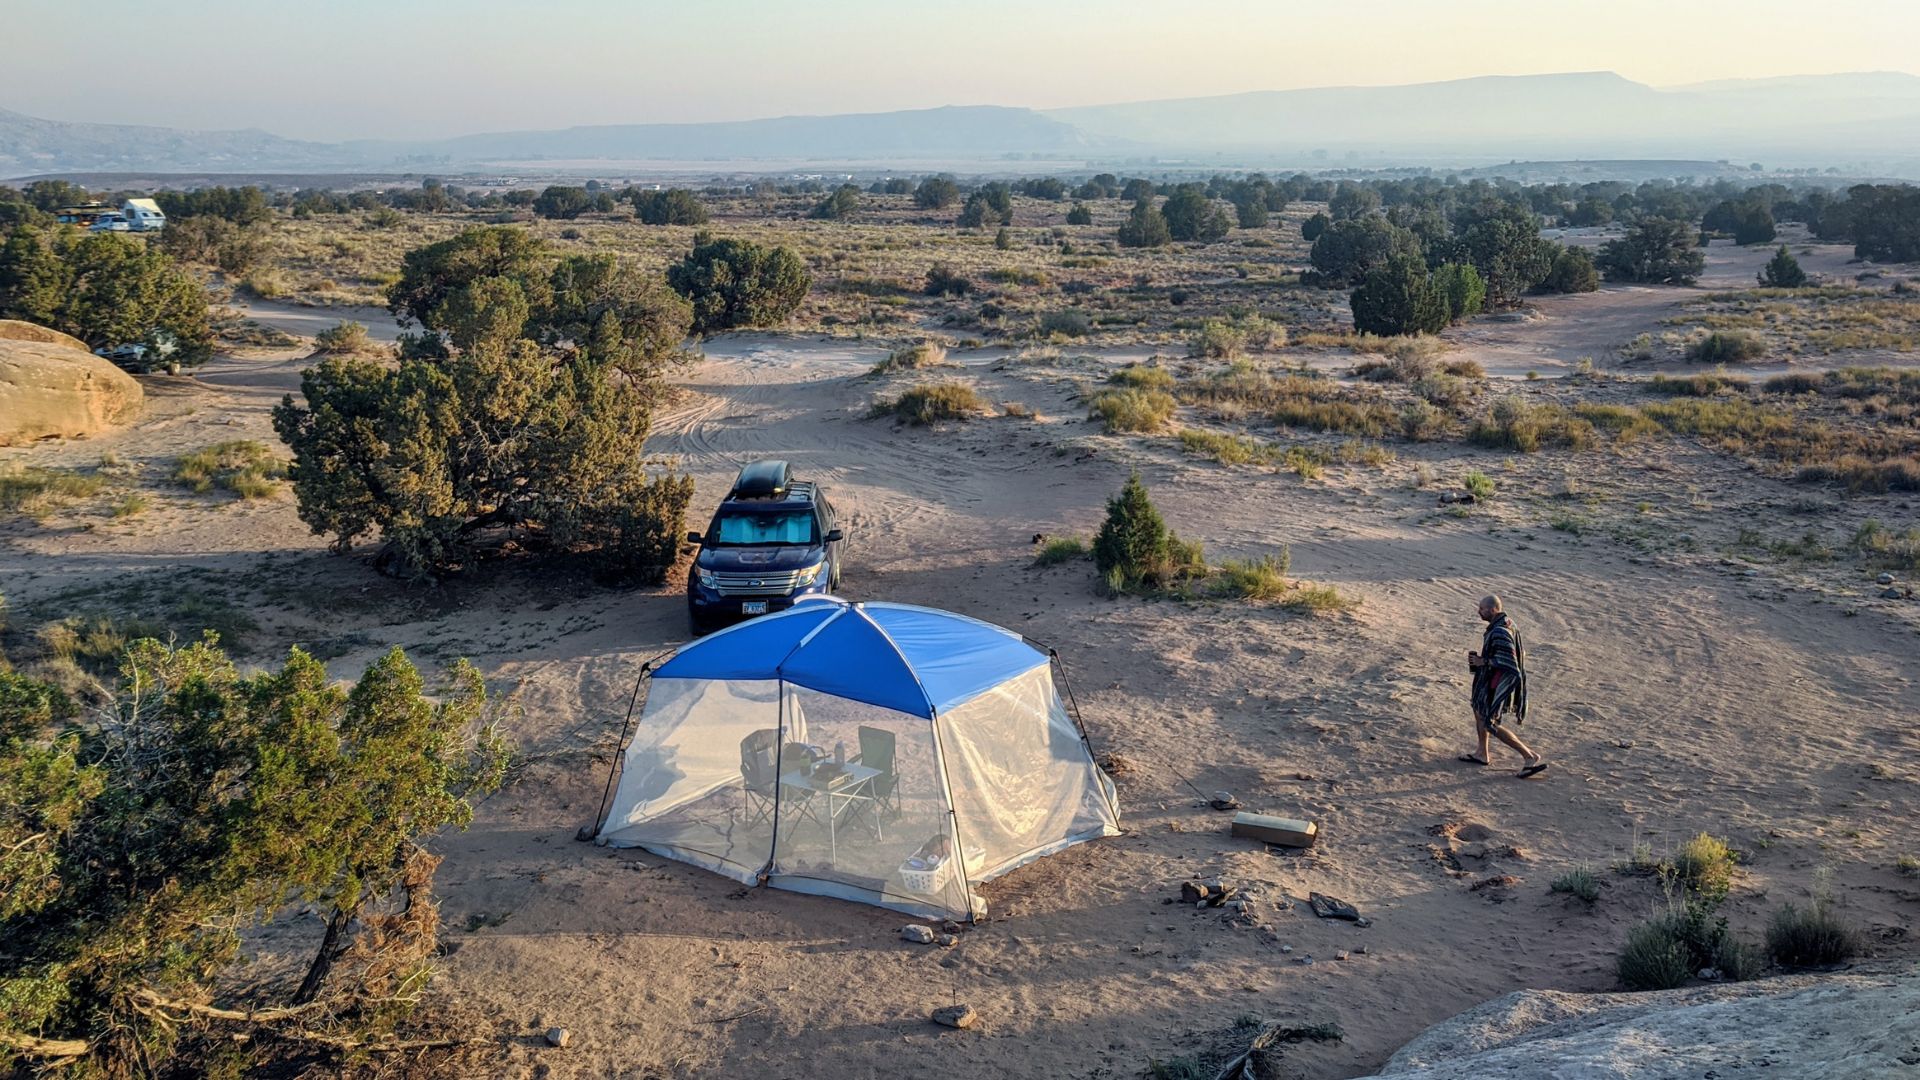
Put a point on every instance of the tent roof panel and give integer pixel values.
(912, 660)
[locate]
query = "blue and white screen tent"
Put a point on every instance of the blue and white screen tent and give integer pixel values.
(884, 753)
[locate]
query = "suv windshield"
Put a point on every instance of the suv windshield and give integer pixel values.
(765, 527)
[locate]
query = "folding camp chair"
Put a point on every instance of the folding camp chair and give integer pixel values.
(759, 777)
(876, 752)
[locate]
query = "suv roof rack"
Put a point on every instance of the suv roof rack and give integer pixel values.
(767, 479)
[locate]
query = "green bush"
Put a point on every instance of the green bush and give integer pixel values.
(674, 206)
(140, 852)
(244, 467)
(1134, 548)
(1422, 422)
(1782, 271)
(1580, 882)
(1264, 578)
(344, 338)
(839, 206)
(944, 280)
(1703, 385)
(1218, 339)
(1659, 251)
(1317, 600)
(1704, 865)
(1727, 347)
(1060, 549)
(1079, 215)
(1069, 323)
(1811, 936)
(1226, 449)
(1654, 958)
(526, 406)
(1133, 409)
(1513, 424)
(1462, 288)
(925, 354)
(931, 403)
(1399, 298)
(1478, 484)
(738, 283)
(1143, 377)
(1145, 227)
(1574, 271)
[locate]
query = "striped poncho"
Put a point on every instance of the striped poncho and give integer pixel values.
(1501, 683)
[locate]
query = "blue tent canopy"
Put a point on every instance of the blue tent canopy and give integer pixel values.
(913, 660)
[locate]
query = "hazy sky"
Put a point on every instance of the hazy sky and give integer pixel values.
(378, 68)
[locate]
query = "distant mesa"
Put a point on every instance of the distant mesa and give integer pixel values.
(1859, 117)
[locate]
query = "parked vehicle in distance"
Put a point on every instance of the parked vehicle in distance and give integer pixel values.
(140, 358)
(111, 221)
(773, 540)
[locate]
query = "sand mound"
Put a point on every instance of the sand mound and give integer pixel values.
(15, 330)
(51, 388)
(1842, 1025)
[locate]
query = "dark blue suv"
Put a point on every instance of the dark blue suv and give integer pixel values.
(773, 540)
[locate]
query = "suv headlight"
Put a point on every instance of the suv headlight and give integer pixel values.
(707, 580)
(808, 576)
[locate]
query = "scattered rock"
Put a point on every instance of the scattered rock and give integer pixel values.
(1891, 594)
(1341, 955)
(1328, 907)
(955, 1016)
(916, 933)
(1224, 800)
(946, 941)
(951, 927)
(560, 1037)
(1449, 498)
(1362, 950)
(1884, 579)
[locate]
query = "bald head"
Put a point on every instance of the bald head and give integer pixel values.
(1490, 606)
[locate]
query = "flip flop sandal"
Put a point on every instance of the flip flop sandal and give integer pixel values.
(1471, 760)
(1533, 770)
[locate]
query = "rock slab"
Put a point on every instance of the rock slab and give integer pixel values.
(1854, 1025)
(52, 389)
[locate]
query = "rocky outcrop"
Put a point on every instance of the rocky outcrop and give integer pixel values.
(1852, 1025)
(15, 330)
(50, 385)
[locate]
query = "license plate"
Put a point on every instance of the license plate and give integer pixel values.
(753, 607)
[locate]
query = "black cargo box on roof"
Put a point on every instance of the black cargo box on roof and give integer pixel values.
(762, 480)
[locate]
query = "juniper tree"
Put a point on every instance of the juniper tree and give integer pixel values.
(1145, 227)
(523, 403)
(1782, 271)
(139, 840)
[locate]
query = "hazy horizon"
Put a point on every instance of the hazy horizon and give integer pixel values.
(364, 70)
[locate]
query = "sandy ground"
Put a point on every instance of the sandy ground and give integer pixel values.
(1676, 690)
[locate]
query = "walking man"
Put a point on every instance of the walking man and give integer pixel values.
(1500, 688)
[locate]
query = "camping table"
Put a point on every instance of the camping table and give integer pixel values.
(857, 778)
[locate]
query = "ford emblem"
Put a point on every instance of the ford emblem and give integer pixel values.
(756, 583)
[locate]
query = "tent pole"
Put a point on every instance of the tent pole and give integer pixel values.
(1071, 700)
(619, 755)
(779, 751)
(959, 852)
